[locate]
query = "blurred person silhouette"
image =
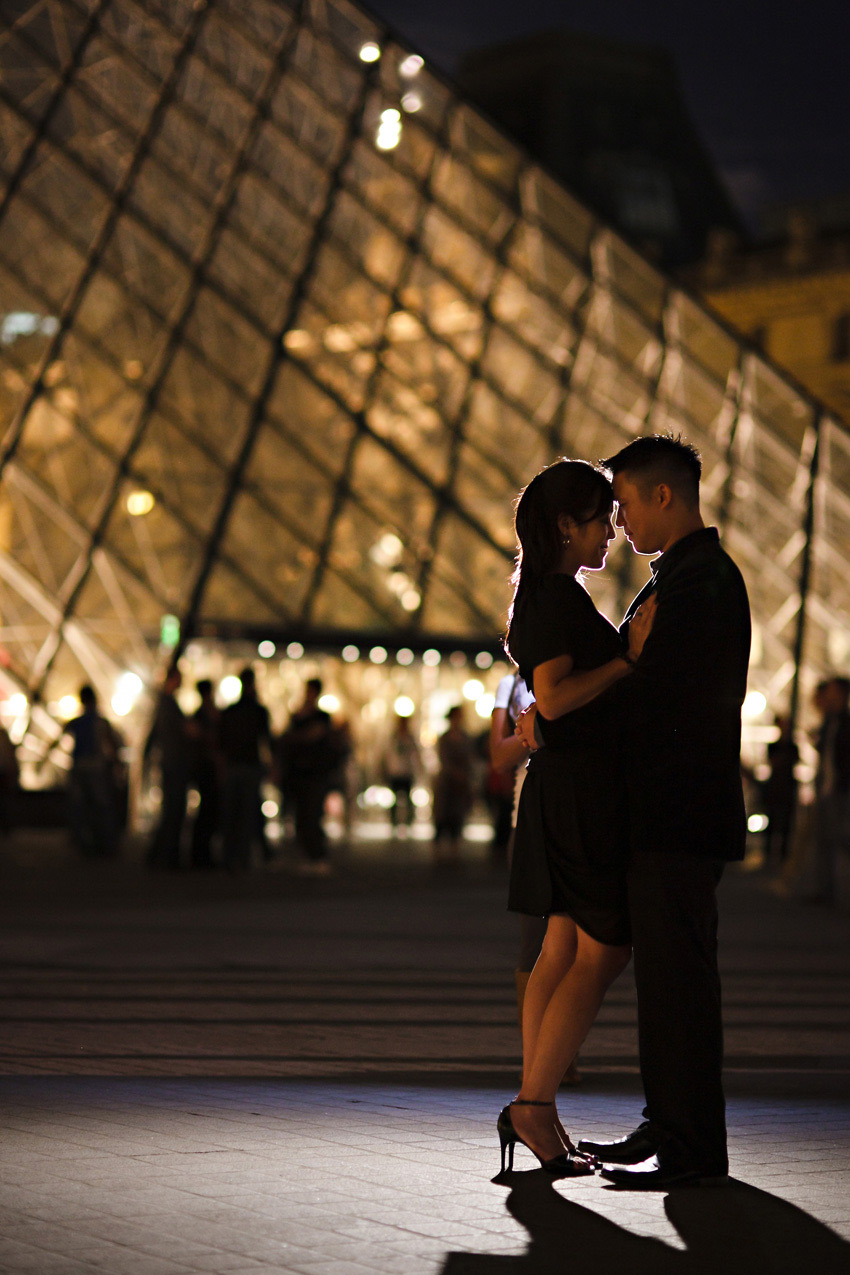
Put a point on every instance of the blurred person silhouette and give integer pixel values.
(245, 741)
(206, 776)
(452, 786)
(309, 752)
(8, 781)
(832, 789)
(92, 791)
(169, 744)
(402, 763)
(779, 793)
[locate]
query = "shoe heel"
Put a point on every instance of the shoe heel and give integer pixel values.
(507, 1144)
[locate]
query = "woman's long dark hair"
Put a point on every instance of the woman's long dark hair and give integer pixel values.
(571, 487)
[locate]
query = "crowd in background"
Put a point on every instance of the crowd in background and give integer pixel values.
(211, 767)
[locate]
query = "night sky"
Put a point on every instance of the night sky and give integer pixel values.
(767, 82)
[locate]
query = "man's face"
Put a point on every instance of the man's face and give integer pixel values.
(637, 514)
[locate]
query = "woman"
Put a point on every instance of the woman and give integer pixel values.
(453, 786)
(569, 851)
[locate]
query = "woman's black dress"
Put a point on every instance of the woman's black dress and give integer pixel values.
(570, 848)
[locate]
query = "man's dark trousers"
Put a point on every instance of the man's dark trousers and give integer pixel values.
(673, 911)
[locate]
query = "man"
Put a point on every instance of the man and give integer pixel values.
(169, 739)
(309, 754)
(682, 720)
(93, 800)
(832, 788)
(245, 746)
(206, 774)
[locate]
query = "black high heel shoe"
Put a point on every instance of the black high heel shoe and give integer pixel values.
(559, 1166)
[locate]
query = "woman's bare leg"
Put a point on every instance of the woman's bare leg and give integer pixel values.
(565, 1021)
(556, 956)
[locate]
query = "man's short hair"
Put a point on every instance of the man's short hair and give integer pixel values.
(204, 687)
(660, 458)
(87, 697)
(314, 684)
(246, 677)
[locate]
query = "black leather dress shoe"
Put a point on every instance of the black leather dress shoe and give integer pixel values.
(634, 1149)
(659, 1179)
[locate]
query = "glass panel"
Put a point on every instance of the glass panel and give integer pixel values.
(64, 193)
(458, 254)
(83, 130)
(239, 60)
(132, 29)
(478, 206)
(228, 341)
(212, 411)
(486, 150)
(122, 90)
(26, 79)
(380, 252)
(295, 489)
(398, 414)
(179, 472)
(553, 208)
(130, 333)
(401, 500)
(54, 30)
(304, 413)
(306, 119)
(37, 255)
(257, 287)
(393, 194)
(273, 558)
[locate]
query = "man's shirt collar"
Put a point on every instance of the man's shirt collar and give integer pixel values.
(682, 547)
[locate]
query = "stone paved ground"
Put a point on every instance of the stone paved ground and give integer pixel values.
(267, 1073)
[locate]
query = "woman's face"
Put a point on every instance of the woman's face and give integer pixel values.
(590, 540)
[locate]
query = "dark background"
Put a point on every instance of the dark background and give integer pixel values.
(766, 82)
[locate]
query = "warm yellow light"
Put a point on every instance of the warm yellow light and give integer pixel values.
(140, 503)
(411, 65)
(473, 689)
(16, 704)
(370, 51)
(404, 656)
(297, 339)
(388, 135)
(266, 650)
(329, 704)
(69, 706)
(485, 704)
(295, 650)
(431, 658)
(754, 705)
(410, 599)
(350, 654)
(404, 706)
(230, 689)
(378, 655)
(412, 102)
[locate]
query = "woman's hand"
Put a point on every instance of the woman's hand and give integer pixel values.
(524, 729)
(640, 625)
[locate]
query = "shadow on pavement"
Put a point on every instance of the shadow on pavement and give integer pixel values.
(734, 1230)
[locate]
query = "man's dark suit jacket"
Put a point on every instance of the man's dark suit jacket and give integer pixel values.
(682, 705)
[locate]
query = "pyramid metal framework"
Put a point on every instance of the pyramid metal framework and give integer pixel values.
(284, 327)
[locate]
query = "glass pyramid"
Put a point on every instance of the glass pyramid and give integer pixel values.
(284, 327)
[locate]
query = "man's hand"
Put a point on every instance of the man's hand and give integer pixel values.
(524, 728)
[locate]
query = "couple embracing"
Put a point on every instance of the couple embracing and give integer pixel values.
(632, 805)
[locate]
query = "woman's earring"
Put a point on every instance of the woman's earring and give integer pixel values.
(566, 541)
